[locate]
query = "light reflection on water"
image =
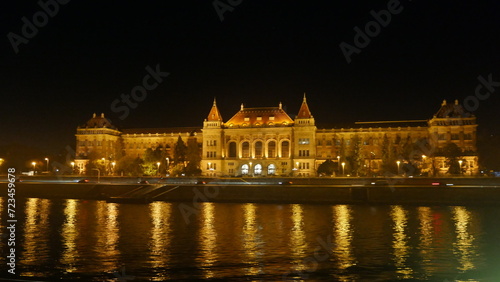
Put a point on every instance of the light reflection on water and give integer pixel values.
(95, 240)
(343, 239)
(400, 242)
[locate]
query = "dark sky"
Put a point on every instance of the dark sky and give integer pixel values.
(263, 52)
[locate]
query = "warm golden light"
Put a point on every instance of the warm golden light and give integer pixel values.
(465, 241)
(207, 240)
(160, 216)
(35, 251)
(108, 228)
(426, 237)
(343, 237)
(298, 244)
(251, 238)
(70, 234)
(400, 241)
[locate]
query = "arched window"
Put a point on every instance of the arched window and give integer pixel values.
(271, 149)
(245, 149)
(285, 149)
(258, 149)
(271, 169)
(232, 150)
(257, 169)
(244, 169)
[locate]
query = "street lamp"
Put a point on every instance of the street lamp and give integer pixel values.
(72, 167)
(158, 164)
(113, 165)
(34, 166)
(47, 159)
(398, 162)
(168, 165)
(460, 163)
(343, 168)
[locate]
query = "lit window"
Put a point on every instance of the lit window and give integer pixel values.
(257, 169)
(271, 169)
(244, 169)
(303, 141)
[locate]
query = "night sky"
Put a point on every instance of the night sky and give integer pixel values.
(261, 53)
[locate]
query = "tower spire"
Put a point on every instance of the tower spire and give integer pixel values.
(304, 111)
(214, 114)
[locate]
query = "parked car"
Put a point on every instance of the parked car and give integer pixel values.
(144, 182)
(83, 181)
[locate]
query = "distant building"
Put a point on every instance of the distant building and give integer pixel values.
(266, 141)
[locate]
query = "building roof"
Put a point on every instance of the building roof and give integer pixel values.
(392, 123)
(304, 111)
(452, 111)
(260, 117)
(98, 122)
(166, 130)
(214, 114)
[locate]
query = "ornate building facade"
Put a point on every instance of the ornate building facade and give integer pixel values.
(266, 141)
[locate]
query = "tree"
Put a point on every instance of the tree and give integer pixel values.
(180, 151)
(357, 155)
(193, 158)
(389, 165)
(326, 168)
(452, 154)
(129, 166)
(150, 161)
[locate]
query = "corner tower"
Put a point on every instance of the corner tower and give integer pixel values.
(453, 124)
(213, 147)
(304, 141)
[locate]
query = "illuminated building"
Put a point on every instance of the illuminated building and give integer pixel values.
(266, 141)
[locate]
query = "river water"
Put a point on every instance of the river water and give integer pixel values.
(99, 241)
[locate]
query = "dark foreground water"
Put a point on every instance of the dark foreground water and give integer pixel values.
(99, 241)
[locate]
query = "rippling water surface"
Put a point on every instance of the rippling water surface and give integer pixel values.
(95, 240)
